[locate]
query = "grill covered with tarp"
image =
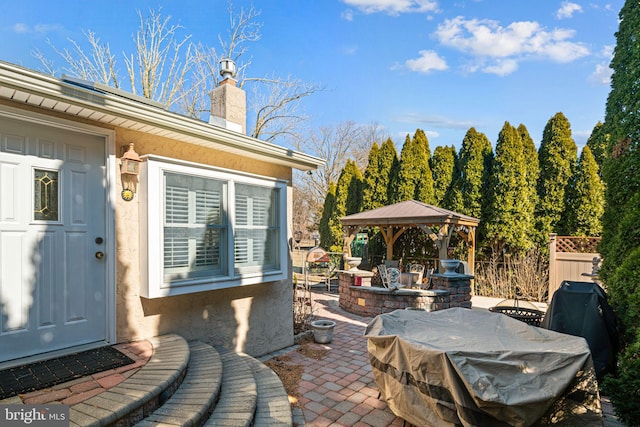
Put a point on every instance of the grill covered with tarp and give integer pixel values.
(581, 309)
(477, 368)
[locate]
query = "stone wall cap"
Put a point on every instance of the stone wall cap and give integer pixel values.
(456, 276)
(356, 273)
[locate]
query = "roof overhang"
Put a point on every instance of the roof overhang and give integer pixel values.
(408, 222)
(410, 213)
(109, 106)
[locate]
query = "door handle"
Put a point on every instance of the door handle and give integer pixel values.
(99, 255)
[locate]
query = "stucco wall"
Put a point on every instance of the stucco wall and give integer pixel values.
(256, 319)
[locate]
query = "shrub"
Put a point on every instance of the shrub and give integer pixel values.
(524, 277)
(624, 389)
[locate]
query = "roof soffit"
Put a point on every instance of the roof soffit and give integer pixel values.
(31, 88)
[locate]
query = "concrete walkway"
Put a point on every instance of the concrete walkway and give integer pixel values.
(337, 388)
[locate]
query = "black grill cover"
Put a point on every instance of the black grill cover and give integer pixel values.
(581, 309)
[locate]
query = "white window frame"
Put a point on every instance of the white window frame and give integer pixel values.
(151, 192)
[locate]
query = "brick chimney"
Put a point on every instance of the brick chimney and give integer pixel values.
(229, 102)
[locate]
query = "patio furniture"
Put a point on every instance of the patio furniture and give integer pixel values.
(384, 275)
(427, 279)
(477, 368)
(394, 277)
(524, 311)
(419, 270)
(392, 263)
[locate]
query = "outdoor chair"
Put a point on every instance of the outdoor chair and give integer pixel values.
(427, 279)
(419, 269)
(384, 275)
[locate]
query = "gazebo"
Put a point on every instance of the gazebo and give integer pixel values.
(393, 220)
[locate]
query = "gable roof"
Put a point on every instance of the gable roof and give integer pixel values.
(110, 106)
(407, 214)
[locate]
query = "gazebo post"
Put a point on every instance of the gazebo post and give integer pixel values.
(471, 252)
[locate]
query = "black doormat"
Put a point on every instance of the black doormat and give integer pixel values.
(47, 373)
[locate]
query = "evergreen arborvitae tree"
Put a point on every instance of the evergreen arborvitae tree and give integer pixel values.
(620, 246)
(469, 192)
(413, 180)
(443, 165)
(389, 165)
(403, 185)
(533, 172)
(348, 201)
(424, 185)
(371, 199)
(558, 156)
(509, 222)
(327, 239)
(378, 174)
(354, 188)
(585, 200)
(598, 143)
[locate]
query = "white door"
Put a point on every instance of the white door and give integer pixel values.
(52, 239)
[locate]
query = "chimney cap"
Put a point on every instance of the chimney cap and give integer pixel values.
(227, 68)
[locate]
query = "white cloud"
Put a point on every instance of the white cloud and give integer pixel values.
(431, 134)
(347, 15)
(428, 61)
(567, 9)
(502, 67)
(349, 50)
(602, 74)
(20, 28)
(435, 121)
(393, 7)
(497, 49)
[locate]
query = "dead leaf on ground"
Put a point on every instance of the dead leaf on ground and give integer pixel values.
(310, 349)
(290, 374)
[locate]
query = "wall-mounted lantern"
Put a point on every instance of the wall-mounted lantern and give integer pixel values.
(129, 171)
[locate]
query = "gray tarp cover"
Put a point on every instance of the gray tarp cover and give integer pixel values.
(474, 367)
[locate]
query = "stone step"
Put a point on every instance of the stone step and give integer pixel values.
(143, 392)
(273, 407)
(194, 400)
(190, 384)
(238, 395)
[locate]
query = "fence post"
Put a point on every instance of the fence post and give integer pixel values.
(552, 265)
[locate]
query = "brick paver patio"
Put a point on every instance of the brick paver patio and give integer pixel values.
(338, 389)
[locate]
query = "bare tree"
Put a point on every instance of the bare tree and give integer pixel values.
(371, 133)
(158, 68)
(277, 108)
(170, 69)
(276, 104)
(336, 145)
(98, 64)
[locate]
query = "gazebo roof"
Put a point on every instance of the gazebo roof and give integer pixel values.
(408, 214)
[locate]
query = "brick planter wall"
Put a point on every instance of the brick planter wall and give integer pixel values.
(371, 301)
(458, 285)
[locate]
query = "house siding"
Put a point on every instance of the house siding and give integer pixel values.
(254, 319)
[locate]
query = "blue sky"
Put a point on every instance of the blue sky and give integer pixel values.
(441, 66)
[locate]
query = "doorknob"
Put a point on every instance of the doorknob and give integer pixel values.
(99, 255)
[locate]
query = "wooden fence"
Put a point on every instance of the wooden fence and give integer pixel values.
(571, 258)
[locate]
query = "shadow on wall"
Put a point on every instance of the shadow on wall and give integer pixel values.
(246, 319)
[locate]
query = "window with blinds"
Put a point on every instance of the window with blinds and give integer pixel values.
(195, 226)
(256, 228)
(208, 228)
